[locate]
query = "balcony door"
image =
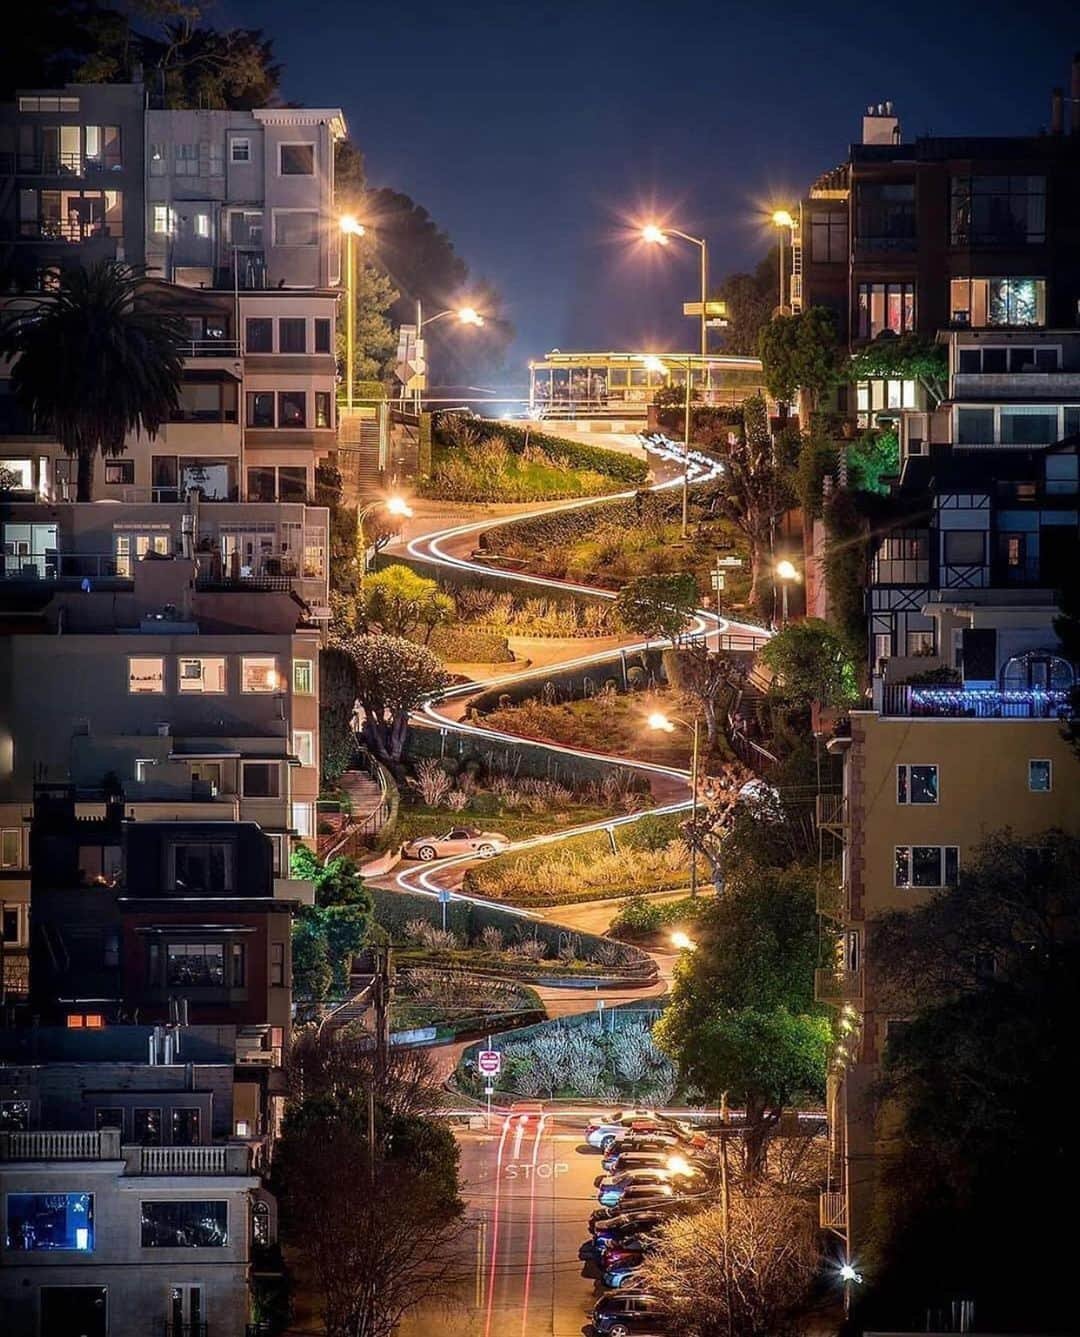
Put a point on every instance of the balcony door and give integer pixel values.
(187, 1316)
(74, 1311)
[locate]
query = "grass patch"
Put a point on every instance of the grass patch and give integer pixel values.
(644, 921)
(490, 471)
(581, 869)
(420, 820)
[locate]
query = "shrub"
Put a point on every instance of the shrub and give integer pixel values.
(431, 782)
(451, 427)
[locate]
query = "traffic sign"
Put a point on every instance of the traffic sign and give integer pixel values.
(729, 561)
(489, 1061)
(718, 580)
(711, 308)
(444, 896)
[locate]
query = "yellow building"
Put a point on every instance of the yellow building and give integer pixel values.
(927, 778)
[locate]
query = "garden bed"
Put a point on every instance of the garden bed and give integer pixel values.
(459, 1003)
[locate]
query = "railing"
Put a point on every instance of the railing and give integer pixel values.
(102, 1145)
(838, 986)
(211, 348)
(982, 703)
(213, 1160)
(59, 164)
(831, 810)
(168, 1328)
(58, 230)
(832, 1211)
(751, 754)
(53, 565)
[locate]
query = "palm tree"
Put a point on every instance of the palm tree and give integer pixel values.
(94, 360)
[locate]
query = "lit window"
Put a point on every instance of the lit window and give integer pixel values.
(292, 408)
(886, 306)
(303, 677)
(1040, 776)
(323, 409)
(202, 225)
(303, 819)
(203, 675)
(50, 1221)
(926, 865)
(916, 784)
(146, 675)
(980, 302)
(11, 848)
(161, 218)
(296, 159)
(259, 674)
(120, 473)
(304, 746)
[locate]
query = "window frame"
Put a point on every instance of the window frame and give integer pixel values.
(125, 469)
(46, 1249)
(306, 753)
(273, 675)
(309, 666)
(307, 144)
(1048, 788)
(905, 786)
(148, 691)
(277, 214)
(946, 854)
(272, 767)
(235, 141)
(292, 323)
(224, 1243)
(258, 322)
(324, 326)
(282, 396)
(202, 661)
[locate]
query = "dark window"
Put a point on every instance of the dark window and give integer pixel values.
(260, 1222)
(202, 867)
(1062, 474)
(322, 335)
(292, 482)
(277, 963)
(1021, 359)
(185, 1225)
(164, 478)
(14, 1116)
(969, 361)
(260, 334)
(828, 236)
(916, 784)
(1072, 421)
(260, 484)
(998, 210)
(109, 1117)
(1046, 359)
(237, 965)
(9, 924)
(1028, 426)
(185, 1127)
(146, 1127)
(261, 779)
(67, 1310)
(120, 471)
(974, 427)
(323, 409)
(885, 216)
(1040, 776)
(292, 335)
(994, 360)
(260, 408)
(39, 1221)
(965, 547)
(292, 408)
(297, 159)
(201, 964)
(245, 229)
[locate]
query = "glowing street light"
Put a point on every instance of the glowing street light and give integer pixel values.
(393, 506)
(660, 236)
(653, 234)
(782, 218)
(682, 941)
(661, 722)
(352, 228)
(785, 573)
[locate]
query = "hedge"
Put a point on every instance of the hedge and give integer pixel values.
(460, 643)
(576, 454)
(544, 532)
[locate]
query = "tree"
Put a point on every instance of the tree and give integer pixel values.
(769, 1253)
(206, 68)
(658, 605)
(811, 665)
(707, 677)
(336, 1063)
(393, 677)
(95, 359)
(904, 357)
(742, 1017)
(800, 352)
(344, 555)
(312, 973)
(987, 974)
(336, 883)
(753, 493)
(751, 301)
(337, 707)
(376, 340)
(356, 1224)
(333, 930)
(399, 602)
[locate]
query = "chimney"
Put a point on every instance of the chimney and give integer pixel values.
(1074, 94)
(1057, 111)
(880, 125)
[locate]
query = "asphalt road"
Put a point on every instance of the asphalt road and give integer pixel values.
(529, 1191)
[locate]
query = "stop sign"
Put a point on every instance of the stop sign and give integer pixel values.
(489, 1061)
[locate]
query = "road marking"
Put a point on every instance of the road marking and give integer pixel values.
(532, 1226)
(495, 1228)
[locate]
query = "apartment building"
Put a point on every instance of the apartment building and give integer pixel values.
(71, 179)
(960, 232)
(238, 222)
(133, 1202)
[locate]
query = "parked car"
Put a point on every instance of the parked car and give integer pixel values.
(620, 1275)
(658, 1141)
(622, 1224)
(616, 1161)
(604, 1129)
(613, 1189)
(618, 1315)
(458, 840)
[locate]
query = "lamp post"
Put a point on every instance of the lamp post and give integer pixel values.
(653, 363)
(785, 573)
(352, 229)
(467, 315)
(659, 236)
(783, 219)
(394, 505)
(666, 724)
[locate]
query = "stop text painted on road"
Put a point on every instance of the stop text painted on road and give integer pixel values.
(525, 1169)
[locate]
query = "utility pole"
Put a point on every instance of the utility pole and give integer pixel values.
(381, 993)
(725, 1212)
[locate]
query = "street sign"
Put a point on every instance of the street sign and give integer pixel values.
(444, 896)
(489, 1061)
(489, 1090)
(718, 581)
(735, 562)
(711, 308)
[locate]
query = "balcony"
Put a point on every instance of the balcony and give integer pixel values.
(59, 164)
(53, 566)
(211, 348)
(836, 987)
(103, 1145)
(831, 813)
(832, 1211)
(232, 1159)
(977, 703)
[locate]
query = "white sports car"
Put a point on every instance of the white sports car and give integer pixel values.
(458, 840)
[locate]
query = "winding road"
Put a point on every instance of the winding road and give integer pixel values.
(528, 1179)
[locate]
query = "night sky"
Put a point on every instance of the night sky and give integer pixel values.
(538, 133)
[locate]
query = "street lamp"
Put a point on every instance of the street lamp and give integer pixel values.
(393, 506)
(659, 236)
(466, 315)
(783, 219)
(352, 228)
(682, 941)
(785, 573)
(666, 724)
(653, 363)
(850, 1277)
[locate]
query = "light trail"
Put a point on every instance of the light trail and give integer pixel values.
(495, 1226)
(532, 1227)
